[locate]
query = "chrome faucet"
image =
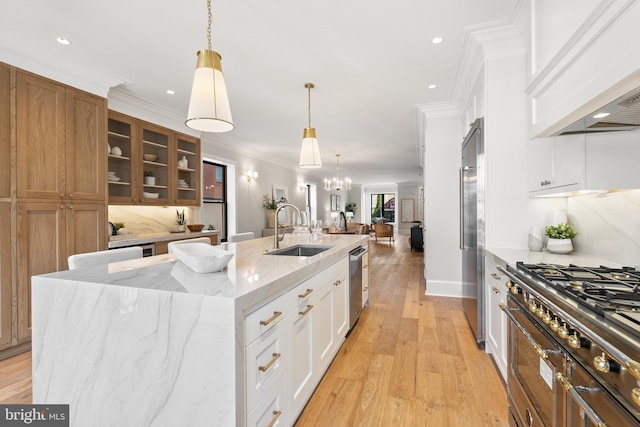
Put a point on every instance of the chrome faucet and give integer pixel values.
(276, 237)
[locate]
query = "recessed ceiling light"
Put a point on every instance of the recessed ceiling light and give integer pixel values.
(437, 40)
(432, 86)
(601, 115)
(171, 92)
(63, 41)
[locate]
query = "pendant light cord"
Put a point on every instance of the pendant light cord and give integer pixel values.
(309, 104)
(209, 20)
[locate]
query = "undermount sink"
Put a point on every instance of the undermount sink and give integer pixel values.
(300, 250)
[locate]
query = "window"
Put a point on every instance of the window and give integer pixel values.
(383, 206)
(214, 197)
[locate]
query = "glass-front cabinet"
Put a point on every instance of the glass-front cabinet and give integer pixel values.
(151, 165)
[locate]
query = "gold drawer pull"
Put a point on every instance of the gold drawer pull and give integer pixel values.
(495, 276)
(337, 283)
(308, 309)
(276, 314)
(365, 289)
(276, 415)
(306, 294)
(266, 367)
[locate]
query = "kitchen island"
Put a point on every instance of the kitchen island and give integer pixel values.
(150, 342)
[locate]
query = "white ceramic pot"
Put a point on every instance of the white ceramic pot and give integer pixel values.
(150, 180)
(559, 246)
(116, 151)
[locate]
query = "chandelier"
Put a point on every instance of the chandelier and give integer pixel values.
(209, 109)
(337, 183)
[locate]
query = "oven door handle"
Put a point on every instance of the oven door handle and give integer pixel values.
(537, 347)
(588, 410)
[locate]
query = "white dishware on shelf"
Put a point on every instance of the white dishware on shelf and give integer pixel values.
(150, 195)
(116, 151)
(114, 178)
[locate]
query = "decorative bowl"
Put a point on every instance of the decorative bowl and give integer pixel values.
(150, 195)
(150, 157)
(195, 227)
(201, 257)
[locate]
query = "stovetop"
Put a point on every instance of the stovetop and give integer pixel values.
(613, 293)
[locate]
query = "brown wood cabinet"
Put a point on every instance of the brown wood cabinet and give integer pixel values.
(147, 171)
(53, 193)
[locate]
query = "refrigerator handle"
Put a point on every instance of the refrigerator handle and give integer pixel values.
(463, 171)
(461, 196)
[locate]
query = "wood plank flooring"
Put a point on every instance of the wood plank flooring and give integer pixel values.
(410, 361)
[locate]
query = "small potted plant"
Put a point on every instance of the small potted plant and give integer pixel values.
(118, 228)
(149, 178)
(181, 220)
(560, 238)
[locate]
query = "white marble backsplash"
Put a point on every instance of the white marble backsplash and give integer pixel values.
(150, 219)
(608, 225)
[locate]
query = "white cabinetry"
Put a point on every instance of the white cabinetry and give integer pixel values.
(556, 164)
(565, 164)
(496, 293)
(365, 279)
(290, 343)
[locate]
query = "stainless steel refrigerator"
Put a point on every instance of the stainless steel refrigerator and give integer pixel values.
(472, 227)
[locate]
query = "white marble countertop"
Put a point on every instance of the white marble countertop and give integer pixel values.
(511, 256)
(122, 241)
(251, 277)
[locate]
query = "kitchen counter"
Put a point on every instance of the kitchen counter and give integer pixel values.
(502, 256)
(150, 342)
(125, 240)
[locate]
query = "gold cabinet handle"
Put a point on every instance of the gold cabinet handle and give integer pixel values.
(496, 290)
(266, 367)
(276, 314)
(305, 311)
(579, 400)
(306, 294)
(337, 283)
(276, 415)
(365, 289)
(495, 276)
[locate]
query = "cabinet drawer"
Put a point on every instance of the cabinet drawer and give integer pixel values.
(272, 409)
(266, 362)
(265, 318)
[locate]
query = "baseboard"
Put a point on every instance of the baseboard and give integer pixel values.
(443, 288)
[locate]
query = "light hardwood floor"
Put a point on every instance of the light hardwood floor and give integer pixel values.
(410, 361)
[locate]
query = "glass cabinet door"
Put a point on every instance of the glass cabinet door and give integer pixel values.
(121, 159)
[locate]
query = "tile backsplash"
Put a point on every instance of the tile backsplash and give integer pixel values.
(149, 219)
(608, 225)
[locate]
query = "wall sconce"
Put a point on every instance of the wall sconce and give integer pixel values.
(251, 176)
(302, 186)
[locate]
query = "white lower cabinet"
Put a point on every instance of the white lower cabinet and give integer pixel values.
(495, 294)
(291, 341)
(365, 279)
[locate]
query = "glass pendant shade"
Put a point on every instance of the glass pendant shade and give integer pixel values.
(209, 109)
(310, 151)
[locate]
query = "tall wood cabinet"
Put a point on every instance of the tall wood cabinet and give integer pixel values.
(149, 150)
(55, 201)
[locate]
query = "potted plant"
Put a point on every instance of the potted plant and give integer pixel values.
(149, 178)
(181, 220)
(560, 238)
(118, 227)
(270, 205)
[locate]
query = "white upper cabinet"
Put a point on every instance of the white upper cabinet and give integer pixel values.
(581, 57)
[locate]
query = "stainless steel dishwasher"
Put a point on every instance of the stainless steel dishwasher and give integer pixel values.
(355, 284)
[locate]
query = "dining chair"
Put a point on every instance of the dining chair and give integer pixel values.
(91, 259)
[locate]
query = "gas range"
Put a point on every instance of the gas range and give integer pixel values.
(592, 315)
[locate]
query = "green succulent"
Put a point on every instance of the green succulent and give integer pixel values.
(560, 231)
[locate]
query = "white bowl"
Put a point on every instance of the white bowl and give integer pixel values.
(201, 257)
(114, 178)
(150, 157)
(150, 195)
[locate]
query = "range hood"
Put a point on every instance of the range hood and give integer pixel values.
(623, 114)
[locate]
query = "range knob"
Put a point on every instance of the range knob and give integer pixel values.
(546, 317)
(574, 341)
(563, 332)
(540, 311)
(554, 324)
(513, 288)
(533, 307)
(601, 363)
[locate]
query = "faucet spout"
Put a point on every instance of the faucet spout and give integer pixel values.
(276, 236)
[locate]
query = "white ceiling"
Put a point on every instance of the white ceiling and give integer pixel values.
(371, 62)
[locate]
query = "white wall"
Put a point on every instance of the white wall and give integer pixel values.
(443, 266)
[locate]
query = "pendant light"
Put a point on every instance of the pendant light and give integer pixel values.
(337, 184)
(209, 109)
(309, 152)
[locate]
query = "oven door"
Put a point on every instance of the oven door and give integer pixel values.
(534, 361)
(588, 405)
